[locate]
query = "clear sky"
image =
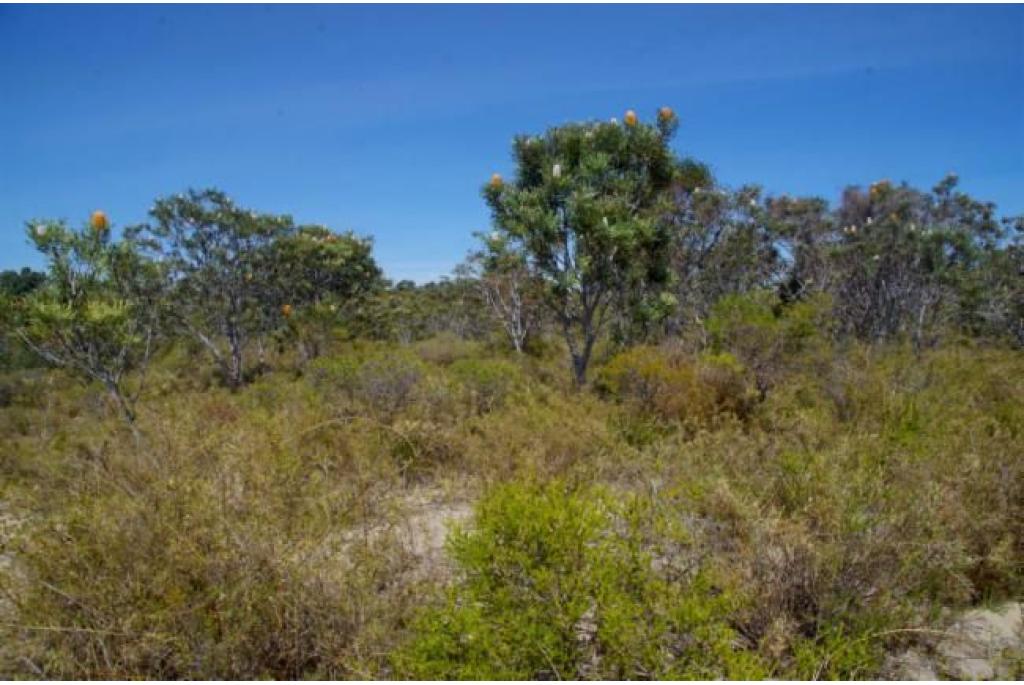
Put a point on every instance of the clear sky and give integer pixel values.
(387, 120)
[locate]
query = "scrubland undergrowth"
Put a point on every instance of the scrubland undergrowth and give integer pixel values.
(689, 516)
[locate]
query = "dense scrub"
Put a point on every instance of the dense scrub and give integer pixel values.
(696, 514)
(668, 429)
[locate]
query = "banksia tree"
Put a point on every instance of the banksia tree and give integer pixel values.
(586, 211)
(320, 276)
(97, 313)
(218, 255)
(911, 262)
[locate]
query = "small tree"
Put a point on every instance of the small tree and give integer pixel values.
(223, 277)
(512, 293)
(722, 245)
(907, 259)
(806, 231)
(98, 311)
(586, 210)
(999, 284)
(318, 276)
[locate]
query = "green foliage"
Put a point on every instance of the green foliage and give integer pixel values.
(837, 654)
(724, 243)
(314, 264)
(292, 530)
(383, 382)
(220, 548)
(819, 461)
(907, 260)
(407, 313)
(222, 272)
(446, 348)
(487, 382)
(20, 283)
(97, 313)
(763, 332)
(657, 383)
(556, 583)
(586, 211)
(676, 388)
(319, 278)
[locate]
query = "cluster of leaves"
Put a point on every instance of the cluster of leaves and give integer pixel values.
(899, 261)
(405, 312)
(20, 283)
(766, 484)
(673, 387)
(603, 236)
(15, 285)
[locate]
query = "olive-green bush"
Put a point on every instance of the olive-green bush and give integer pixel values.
(557, 582)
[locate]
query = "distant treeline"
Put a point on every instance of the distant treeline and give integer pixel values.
(602, 234)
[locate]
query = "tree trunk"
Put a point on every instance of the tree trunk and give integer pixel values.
(235, 368)
(579, 370)
(125, 407)
(580, 362)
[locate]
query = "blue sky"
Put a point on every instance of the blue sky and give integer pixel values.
(387, 120)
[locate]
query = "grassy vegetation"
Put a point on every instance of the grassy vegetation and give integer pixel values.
(791, 508)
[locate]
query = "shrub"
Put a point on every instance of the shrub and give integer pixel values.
(222, 551)
(545, 434)
(387, 385)
(383, 382)
(726, 378)
(265, 533)
(765, 335)
(555, 582)
(676, 388)
(656, 384)
(487, 382)
(446, 348)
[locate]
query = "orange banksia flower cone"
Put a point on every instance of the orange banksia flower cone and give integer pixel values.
(99, 221)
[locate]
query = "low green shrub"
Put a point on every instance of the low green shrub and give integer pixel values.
(766, 335)
(656, 383)
(556, 582)
(673, 387)
(383, 382)
(446, 348)
(487, 382)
